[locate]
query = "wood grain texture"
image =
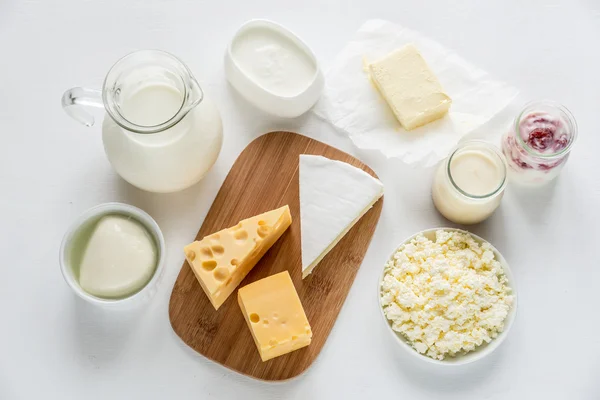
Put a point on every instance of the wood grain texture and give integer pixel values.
(264, 177)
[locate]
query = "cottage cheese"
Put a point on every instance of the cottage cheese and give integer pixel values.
(447, 296)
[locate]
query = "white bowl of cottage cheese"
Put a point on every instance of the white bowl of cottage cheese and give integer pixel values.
(447, 296)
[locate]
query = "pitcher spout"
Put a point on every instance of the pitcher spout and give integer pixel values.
(196, 94)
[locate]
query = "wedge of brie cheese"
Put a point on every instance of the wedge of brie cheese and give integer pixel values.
(333, 197)
(410, 88)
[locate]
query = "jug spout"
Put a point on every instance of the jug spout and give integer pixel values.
(195, 93)
(75, 101)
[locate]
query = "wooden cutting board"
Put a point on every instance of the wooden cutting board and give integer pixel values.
(265, 177)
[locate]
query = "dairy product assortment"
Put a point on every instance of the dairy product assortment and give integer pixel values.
(333, 197)
(446, 296)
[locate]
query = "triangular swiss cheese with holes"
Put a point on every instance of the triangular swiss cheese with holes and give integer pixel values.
(222, 260)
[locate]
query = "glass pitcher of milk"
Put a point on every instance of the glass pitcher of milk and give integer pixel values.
(160, 132)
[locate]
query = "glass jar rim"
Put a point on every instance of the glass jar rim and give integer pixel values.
(494, 150)
(183, 73)
(566, 113)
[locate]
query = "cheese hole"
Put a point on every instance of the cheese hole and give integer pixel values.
(294, 337)
(205, 252)
(241, 235)
(191, 255)
(272, 342)
(238, 226)
(266, 322)
(221, 273)
(209, 265)
(234, 261)
(218, 250)
(261, 222)
(254, 317)
(275, 316)
(263, 231)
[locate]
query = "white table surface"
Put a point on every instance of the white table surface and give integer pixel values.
(52, 169)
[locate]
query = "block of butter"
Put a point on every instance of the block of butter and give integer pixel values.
(275, 315)
(222, 260)
(409, 87)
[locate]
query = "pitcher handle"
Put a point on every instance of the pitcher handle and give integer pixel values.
(75, 101)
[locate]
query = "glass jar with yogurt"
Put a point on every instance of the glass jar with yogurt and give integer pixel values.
(468, 186)
(538, 144)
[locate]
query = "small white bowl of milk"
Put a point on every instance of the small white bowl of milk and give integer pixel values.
(273, 69)
(113, 254)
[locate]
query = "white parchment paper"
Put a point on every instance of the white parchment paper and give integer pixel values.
(354, 106)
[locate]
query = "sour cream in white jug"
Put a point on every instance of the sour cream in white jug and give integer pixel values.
(273, 69)
(274, 61)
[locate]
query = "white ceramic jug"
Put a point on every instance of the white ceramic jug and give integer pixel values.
(160, 132)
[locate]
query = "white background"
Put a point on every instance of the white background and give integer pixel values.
(52, 169)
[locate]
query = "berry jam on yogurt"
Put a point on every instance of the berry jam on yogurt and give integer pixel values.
(538, 144)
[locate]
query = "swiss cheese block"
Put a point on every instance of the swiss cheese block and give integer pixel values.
(410, 88)
(222, 260)
(275, 315)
